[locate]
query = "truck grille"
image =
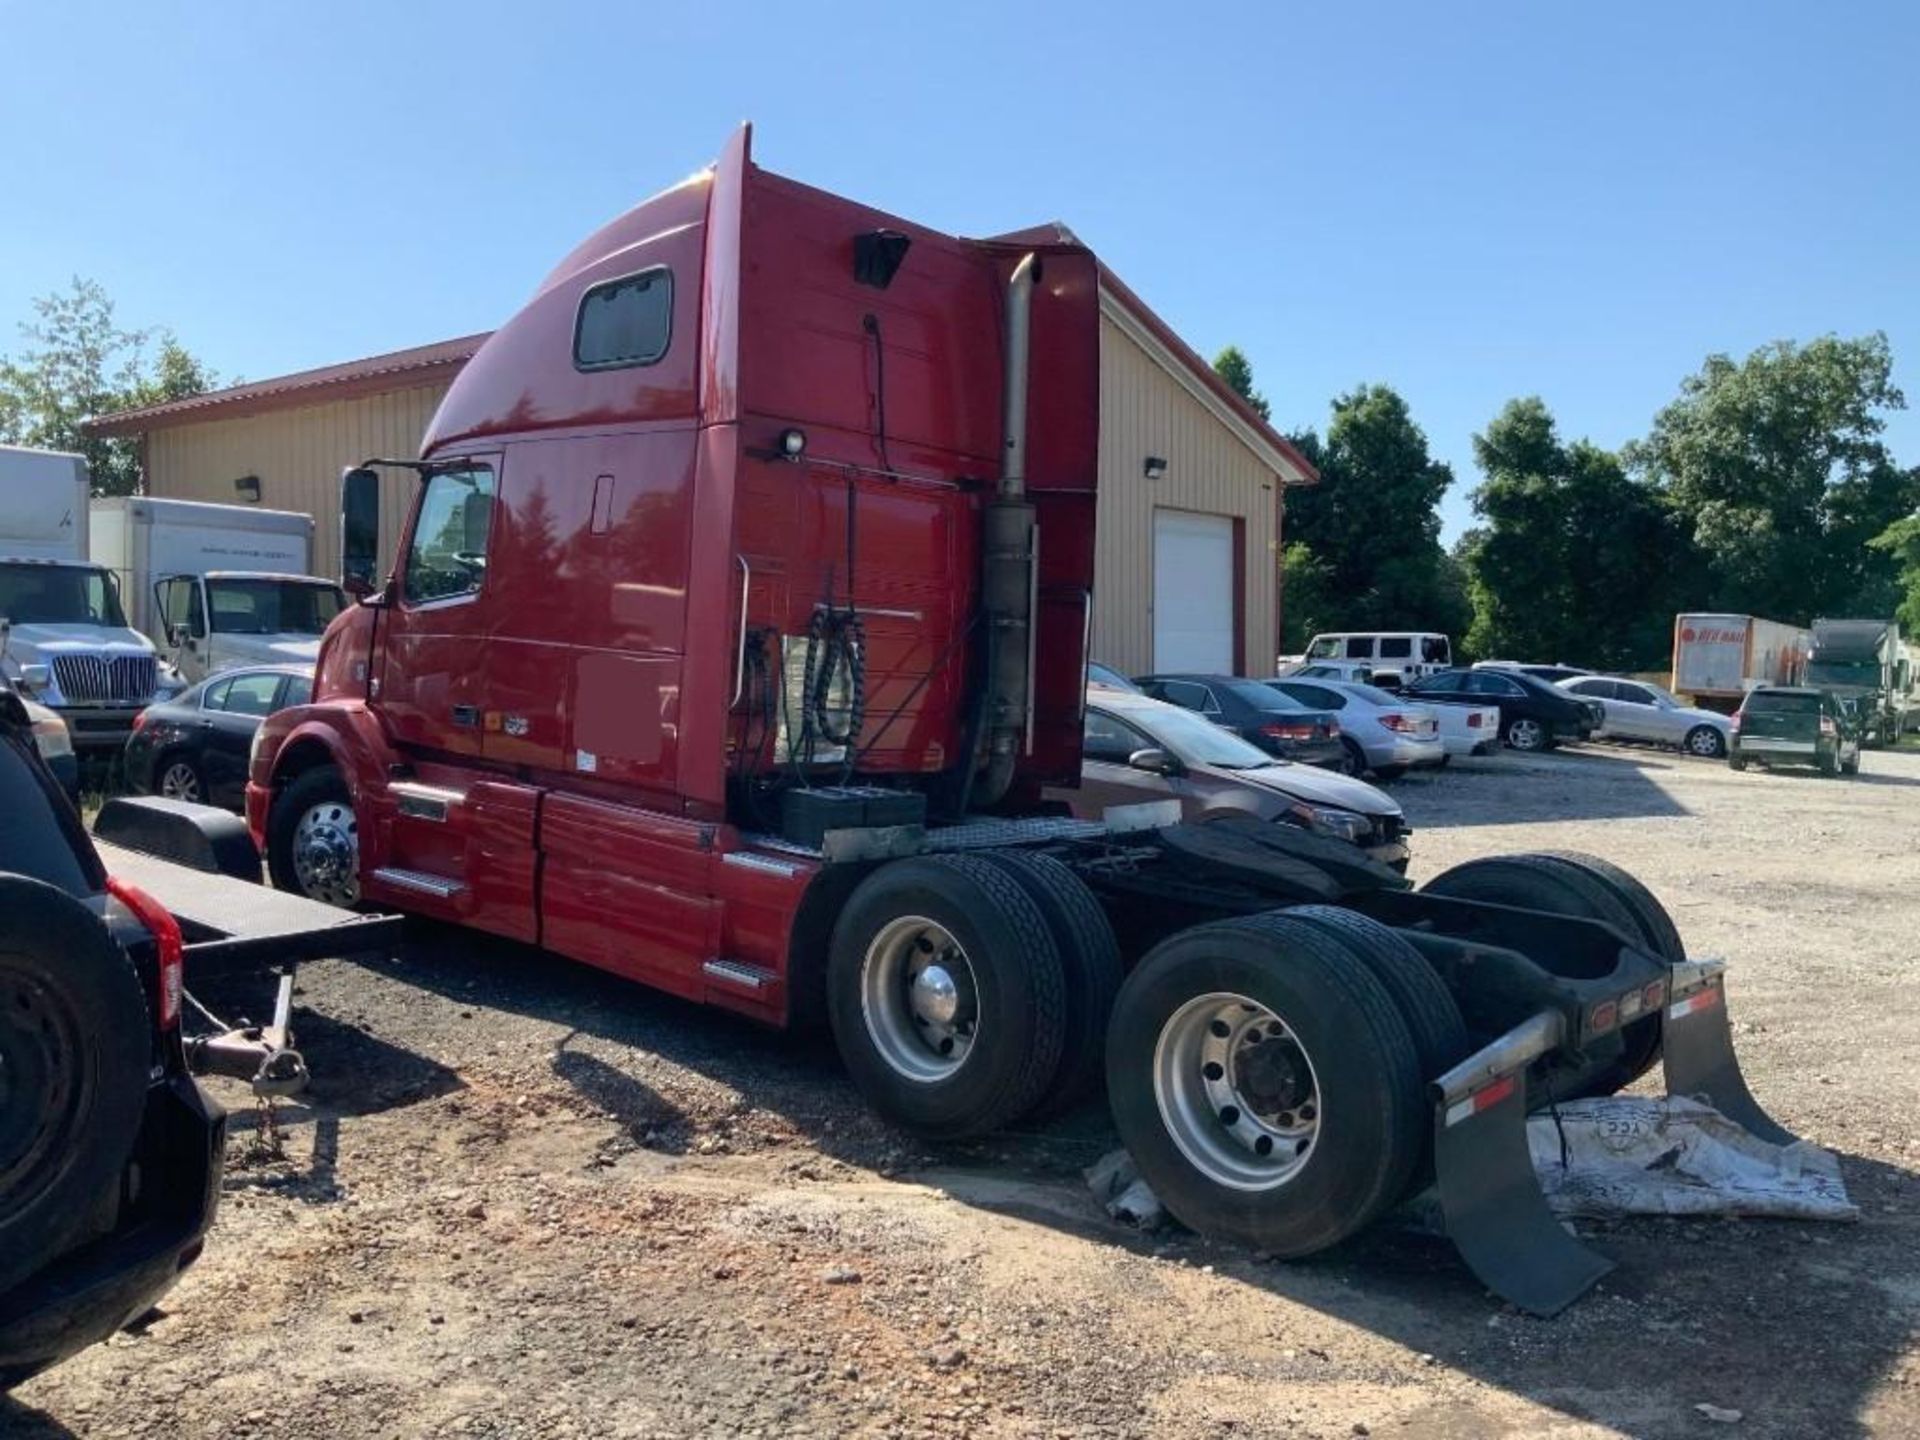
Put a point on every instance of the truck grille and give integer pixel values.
(106, 679)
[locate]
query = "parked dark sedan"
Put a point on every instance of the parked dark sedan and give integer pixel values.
(196, 745)
(1257, 713)
(1534, 715)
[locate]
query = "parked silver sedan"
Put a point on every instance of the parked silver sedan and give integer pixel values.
(1384, 733)
(1653, 716)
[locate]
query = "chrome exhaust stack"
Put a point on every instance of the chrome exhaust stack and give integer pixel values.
(1010, 564)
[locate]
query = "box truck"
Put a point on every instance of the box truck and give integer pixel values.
(215, 586)
(64, 636)
(1718, 658)
(703, 664)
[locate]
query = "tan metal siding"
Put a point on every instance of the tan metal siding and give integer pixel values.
(1145, 411)
(298, 455)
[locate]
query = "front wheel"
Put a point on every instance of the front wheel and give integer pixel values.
(1706, 741)
(1266, 1084)
(313, 839)
(1526, 734)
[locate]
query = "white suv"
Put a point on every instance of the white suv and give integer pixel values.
(1389, 657)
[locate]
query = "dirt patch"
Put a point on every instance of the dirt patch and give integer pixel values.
(526, 1199)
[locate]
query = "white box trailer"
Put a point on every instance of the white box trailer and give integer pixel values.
(215, 586)
(1718, 658)
(43, 504)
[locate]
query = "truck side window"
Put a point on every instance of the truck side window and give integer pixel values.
(625, 322)
(448, 556)
(1396, 647)
(1360, 647)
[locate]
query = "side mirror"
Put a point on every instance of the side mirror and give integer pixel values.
(1155, 762)
(359, 529)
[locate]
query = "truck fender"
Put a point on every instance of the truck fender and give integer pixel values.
(347, 736)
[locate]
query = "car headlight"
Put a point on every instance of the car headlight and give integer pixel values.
(53, 738)
(1346, 825)
(34, 678)
(170, 683)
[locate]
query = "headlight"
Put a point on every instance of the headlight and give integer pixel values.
(253, 751)
(53, 738)
(170, 683)
(1345, 825)
(34, 677)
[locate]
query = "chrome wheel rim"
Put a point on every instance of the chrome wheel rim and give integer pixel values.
(920, 999)
(1524, 734)
(1705, 742)
(326, 853)
(180, 782)
(1237, 1092)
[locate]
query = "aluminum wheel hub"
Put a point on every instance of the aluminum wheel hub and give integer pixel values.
(1237, 1092)
(326, 853)
(920, 1000)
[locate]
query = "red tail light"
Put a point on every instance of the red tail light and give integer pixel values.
(1733, 722)
(1827, 727)
(1287, 732)
(139, 722)
(1397, 722)
(1474, 717)
(166, 940)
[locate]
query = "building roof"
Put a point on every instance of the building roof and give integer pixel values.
(397, 369)
(425, 364)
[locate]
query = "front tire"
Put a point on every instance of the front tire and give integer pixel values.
(1266, 1084)
(947, 995)
(313, 839)
(1706, 742)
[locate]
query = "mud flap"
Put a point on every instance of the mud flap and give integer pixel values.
(1697, 1049)
(1492, 1204)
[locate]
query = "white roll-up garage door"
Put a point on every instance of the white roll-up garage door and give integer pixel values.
(1192, 592)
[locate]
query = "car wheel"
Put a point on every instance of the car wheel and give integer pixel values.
(1706, 741)
(1734, 762)
(75, 1041)
(313, 839)
(180, 780)
(1526, 734)
(1356, 758)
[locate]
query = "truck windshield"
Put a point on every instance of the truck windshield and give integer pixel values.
(59, 595)
(273, 607)
(1843, 672)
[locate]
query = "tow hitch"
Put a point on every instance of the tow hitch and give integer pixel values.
(1494, 1210)
(262, 1055)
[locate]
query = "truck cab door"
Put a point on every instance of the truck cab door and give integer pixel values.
(182, 605)
(429, 673)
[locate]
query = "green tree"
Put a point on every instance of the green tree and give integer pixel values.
(1372, 525)
(1573, 560)
(1232, 366)
(1777, 466)
(1900, 542)
(79, 363)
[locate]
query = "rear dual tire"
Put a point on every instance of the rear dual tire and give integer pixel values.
(1267, 1074)
(1566, 882)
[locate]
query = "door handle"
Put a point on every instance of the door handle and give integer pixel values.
(466, 715)
(740, 662)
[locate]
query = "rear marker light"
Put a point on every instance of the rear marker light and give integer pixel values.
(1473, 720)
(1485, 1099)
(167, 941)
(1654, 996)
(1605, 1016)
(1700, 1000)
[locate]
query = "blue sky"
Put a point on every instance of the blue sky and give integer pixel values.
(1468, 202)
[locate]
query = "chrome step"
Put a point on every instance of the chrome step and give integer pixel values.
(738, 972)
(437, 886)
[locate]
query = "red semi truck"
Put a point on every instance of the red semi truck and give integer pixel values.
(738, 623)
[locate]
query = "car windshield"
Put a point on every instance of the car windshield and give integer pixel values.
(273, 607)
(1196, 740)
(1843, 672)
(1325, 647)
(59, 595)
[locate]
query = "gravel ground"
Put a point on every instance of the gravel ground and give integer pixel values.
(525, 1199)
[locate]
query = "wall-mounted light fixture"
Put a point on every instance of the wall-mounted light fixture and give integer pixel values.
(1156, 467)
(248, 487)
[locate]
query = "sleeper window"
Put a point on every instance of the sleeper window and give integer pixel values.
(625, 322)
